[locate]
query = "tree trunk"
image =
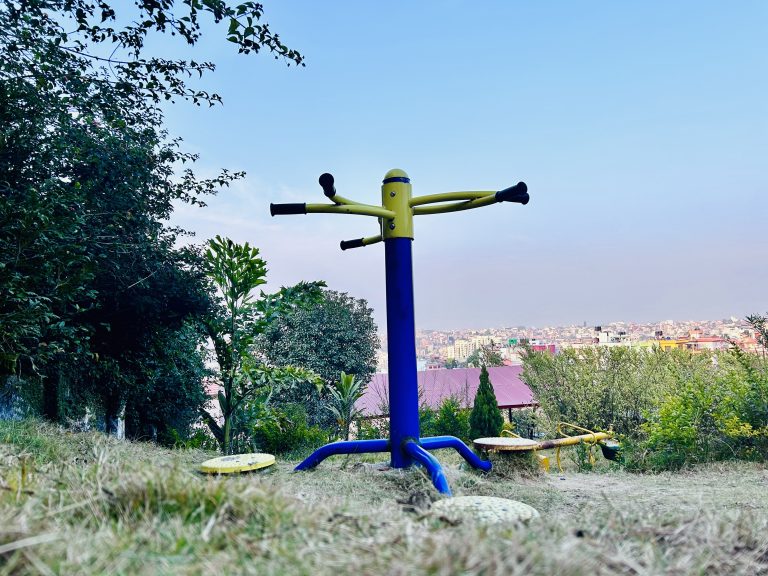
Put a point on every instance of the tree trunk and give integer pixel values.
(226, 447)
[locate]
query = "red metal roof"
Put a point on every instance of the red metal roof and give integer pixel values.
(437, 385)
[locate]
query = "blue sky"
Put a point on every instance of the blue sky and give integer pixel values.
(640, 128)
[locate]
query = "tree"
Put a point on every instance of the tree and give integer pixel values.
(93, 287)
(335, 335)
(82, 240)
(451, 363)
(485, 419)
(485, 356)
(345, 392)
(236, 270)
(759, 324)
(171, 372)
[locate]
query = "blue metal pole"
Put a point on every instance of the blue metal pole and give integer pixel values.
(432, 465)
(438, 442)
(401, 347)
(343, 447)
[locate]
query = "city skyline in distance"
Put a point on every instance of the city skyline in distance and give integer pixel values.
(733, 319)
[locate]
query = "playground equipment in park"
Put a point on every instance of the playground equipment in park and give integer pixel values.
(395, 216)
(514, 443)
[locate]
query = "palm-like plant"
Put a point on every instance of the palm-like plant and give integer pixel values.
(344, 394)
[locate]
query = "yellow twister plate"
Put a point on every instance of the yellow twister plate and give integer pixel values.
(236, 463)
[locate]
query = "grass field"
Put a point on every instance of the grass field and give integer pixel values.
(74, 503)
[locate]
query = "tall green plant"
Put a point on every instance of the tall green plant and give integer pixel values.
(485, 419)
(345, 392)
(237, 270)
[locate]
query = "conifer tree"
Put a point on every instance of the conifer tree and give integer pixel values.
(485, 419)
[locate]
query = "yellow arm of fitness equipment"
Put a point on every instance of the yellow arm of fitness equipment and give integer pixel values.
(360, 209)
(517, 193)
(329, 189)
(360, 242)
(455, 206)
(448, 197)
(341, 200)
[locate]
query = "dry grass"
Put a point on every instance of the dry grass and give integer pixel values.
(86, 504)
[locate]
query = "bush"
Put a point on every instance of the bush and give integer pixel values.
(452, 419)
(285, 429)
(717, 414)
(427, 422)
(523, 422)
(198, 439)
(606, 387)
(373, 429)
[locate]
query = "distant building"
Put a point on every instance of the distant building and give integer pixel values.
(694, 342)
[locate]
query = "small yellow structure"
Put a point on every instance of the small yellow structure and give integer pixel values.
(513, 442)
(236, 463)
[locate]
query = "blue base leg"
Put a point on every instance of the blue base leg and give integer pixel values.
(431, 464)
(472, 459)
(345, 447)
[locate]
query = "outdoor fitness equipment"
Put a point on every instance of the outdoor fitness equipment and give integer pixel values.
(395, 217)
(511, 442)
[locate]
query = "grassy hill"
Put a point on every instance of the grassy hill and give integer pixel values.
(82, 503)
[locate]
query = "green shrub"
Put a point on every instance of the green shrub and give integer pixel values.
(198, 439)
(452, 419)
(372, 429)
(285, 429)
(485, 420)
(606, 387)
(428, 421)
(581, 455)
(524, 422)
(715, 415)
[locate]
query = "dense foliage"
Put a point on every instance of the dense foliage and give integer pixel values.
(285, 430)
(485, 420)
(98, 305)
(603, 387)
(715, 413)
(450, 419)
(670, 408)
(336, 334)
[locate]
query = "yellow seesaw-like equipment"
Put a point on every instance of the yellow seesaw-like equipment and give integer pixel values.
(511, 442)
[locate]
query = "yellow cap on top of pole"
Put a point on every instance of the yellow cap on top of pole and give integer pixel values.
(396, 196)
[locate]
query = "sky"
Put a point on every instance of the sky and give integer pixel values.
(641, 130)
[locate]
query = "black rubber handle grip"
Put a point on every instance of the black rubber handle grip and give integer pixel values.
(281, 209)
(517, 193)
(326, 182)
(347, 244)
